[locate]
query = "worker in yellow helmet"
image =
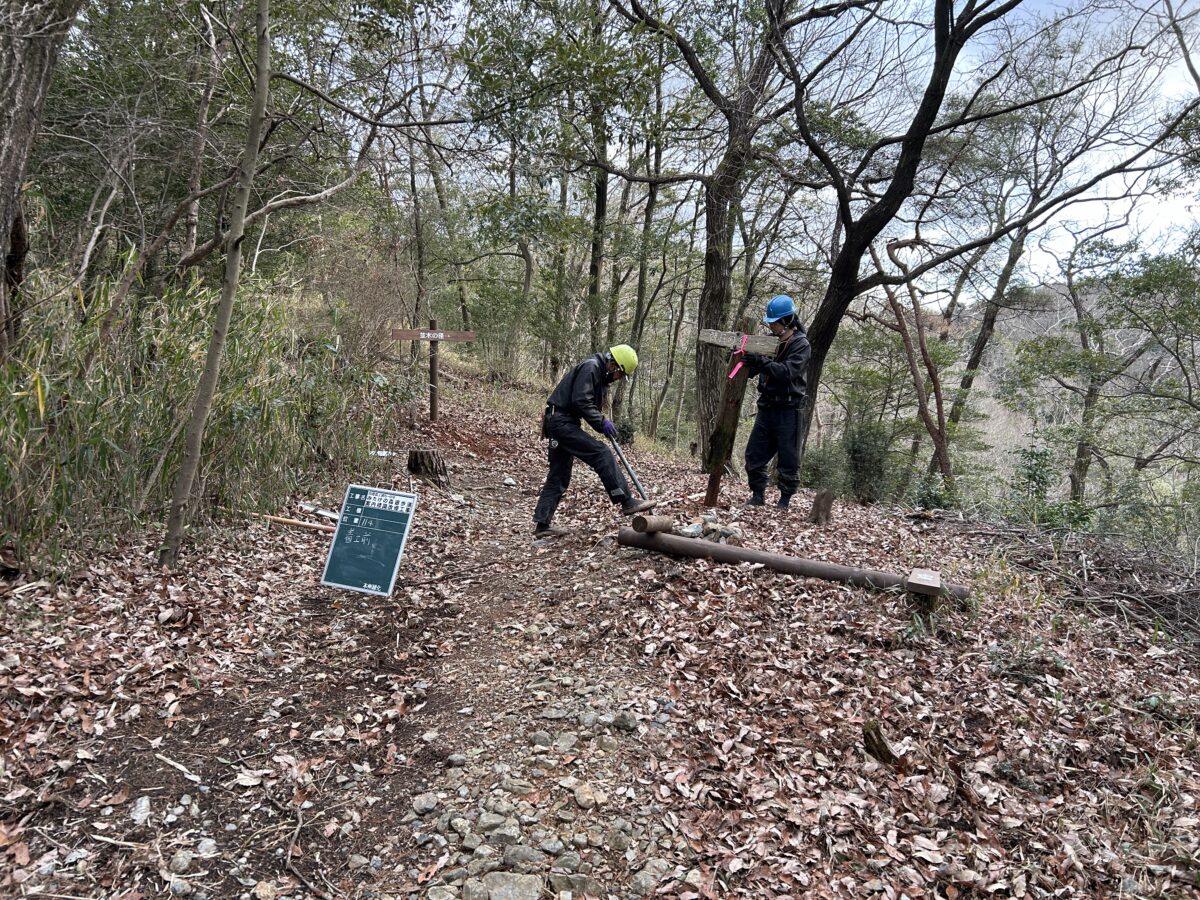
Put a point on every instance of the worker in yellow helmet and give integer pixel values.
(578, 398)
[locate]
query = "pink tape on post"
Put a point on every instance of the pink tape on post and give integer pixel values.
(741, 348)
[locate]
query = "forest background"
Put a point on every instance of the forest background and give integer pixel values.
(216, 212)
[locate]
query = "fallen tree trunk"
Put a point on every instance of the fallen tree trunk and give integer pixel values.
(792, 565)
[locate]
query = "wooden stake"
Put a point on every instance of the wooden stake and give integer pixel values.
(729, 408)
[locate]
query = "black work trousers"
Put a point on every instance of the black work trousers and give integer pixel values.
(774, 432)
(568, 442)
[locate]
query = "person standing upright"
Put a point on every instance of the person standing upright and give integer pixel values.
(782, 386)
(578, 398)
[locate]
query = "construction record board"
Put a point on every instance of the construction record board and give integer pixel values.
(369, 541)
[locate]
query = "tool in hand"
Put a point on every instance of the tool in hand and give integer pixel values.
(628, 468)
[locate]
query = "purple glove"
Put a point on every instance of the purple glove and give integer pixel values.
(610, 430)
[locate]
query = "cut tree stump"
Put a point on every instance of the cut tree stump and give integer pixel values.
(822, 508)
(428, 465)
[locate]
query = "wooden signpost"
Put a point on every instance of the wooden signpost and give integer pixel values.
(733, 389)
(434, 336)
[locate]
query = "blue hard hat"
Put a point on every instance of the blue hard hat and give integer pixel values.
(778, 307)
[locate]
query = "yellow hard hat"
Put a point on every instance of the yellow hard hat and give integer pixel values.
(625, 357)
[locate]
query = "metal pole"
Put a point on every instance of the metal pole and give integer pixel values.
(793, 565)
(628, 468)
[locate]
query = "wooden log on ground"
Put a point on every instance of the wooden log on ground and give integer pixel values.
(792, 565)
(297, 523)
(428, 465)
(652, 524)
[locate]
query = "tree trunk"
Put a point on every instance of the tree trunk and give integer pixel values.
(207, 389)
(1083, 449)
(31, 33)
(987, 328)
(558, 339)
(683, 384)
(672, 351)
(14, 274)
(950, 36)
(599, 226)
(719, 197)
(421, 311)
(191, 219)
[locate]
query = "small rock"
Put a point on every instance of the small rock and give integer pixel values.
(540, 739)
(649, 877)
(585, 797)
(264, 890)
(474, 889)
(441, 893)
(456, 760)
(625, 721)
(519, 854)
(510, 482)
(607, 743)
(517, 786)
(424, 804)
(140, 811)
(554, 712)
(510, 886)
(180, 887)
(617, 840)
(358, 861)
(566, 741)
(568, 862)
(490, 821)
(505, 835)
(180, 861)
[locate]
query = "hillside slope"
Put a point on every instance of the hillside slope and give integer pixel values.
(523, 720)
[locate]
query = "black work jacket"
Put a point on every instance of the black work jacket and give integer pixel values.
(783, 381)
(580, 394)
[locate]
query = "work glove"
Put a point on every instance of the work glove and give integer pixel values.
(609, 429)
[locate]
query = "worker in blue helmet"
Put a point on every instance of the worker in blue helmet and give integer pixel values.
(782, 386)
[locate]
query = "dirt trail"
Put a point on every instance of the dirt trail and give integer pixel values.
(294, 727)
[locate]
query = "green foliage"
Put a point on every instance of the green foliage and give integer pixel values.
(1037, 471)
(931, 493)
(87, 455)
(867, 444)
(825, 467)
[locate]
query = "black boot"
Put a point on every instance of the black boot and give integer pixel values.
(784, 499)
(756, 499)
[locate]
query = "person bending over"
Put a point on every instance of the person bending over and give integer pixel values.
(578, 398)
